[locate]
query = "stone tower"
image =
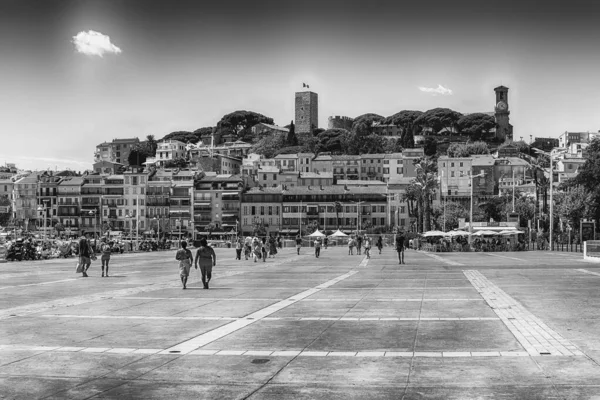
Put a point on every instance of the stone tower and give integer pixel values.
(504, 129)
(307, 112)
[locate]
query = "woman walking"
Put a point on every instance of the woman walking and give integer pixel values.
(186, 259)
(367, 246)
(263, 249)
(256, 249)
(206, 257)
(351, 246)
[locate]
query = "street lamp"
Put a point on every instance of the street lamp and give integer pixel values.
(93, 213)
(158, 226)
(130, 218)
(178, 224)
(43, 211)
(551, 156)
(471, 213)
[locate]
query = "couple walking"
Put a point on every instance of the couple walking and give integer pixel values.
(205, 257)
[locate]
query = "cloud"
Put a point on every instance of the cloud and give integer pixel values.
(94, 43)
(440, 90)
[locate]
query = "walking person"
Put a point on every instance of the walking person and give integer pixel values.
(400, 246)
(185, 257)
(206, 257)
(379, 243)
(279, 242)
(359, 241)
(350, 246)
(239, 245)
(298, 244)
(256, 249)
(106, 249)
(263, 249)
(85, 254)
(272, 247)
(248, 247)
(325, 242)
(367, 247)
(317, 244)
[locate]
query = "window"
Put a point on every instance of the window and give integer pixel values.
(402, 209)
(270, 210)
(451, 174)
(274, 177)
(105, 212)
(452, 165)
(386, 170)
(374, 221)
(245, 212)
(120, 213)
(386, 161)
(142, 212)
(402, 222)
(382, 209)
(276, 210)
(253, 210)
(382, 220)
(461, 164)
(142, 190)
(262, 210)
(134, 202)
(264, 177)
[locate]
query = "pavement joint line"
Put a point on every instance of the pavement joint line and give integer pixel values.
(38, 284)
(291, 353)
(291, 318)
(442, 259)
(532, 333)
(510, 258)
(585, 271)
(83, 299)
(224, 330)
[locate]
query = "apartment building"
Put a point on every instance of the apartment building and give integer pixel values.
(69, 205)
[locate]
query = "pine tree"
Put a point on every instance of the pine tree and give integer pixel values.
(292, 139)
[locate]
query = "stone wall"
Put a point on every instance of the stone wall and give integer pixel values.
(340, 122)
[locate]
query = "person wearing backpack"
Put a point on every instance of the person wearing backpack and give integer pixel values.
(206, 257)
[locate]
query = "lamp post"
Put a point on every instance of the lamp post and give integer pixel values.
(130, 218)
(551, 156)
(93, 213)
(43, 211)
(158, 226)
(471, 213)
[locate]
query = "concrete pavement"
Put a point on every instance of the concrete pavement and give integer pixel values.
(443, 326)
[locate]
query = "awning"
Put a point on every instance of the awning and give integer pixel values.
(230, 214)
(295, 231)
(494, 228)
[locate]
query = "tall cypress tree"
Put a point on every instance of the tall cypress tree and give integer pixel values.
(292, 140)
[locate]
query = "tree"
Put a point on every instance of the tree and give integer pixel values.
(457, 150)
(203, 132)
(151, 146)
(356, 143)
(476, 125)
(338, 210)
(391, 145)
(176, 163)
(363, 124)
(332, 140)
(493, 208)
(240, 122)
(426, 181)
(589, 178)
(211, 227)
(438, 119)
(182, 136)
(406, 120)
(446, 215)
(573, 204)
(137, 155)
(292, 139)
(59, 228)
(430, 147)
(269, 146)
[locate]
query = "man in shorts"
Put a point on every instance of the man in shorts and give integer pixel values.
(298, 244)
(400, 246)
(185, 258)
(206, 257)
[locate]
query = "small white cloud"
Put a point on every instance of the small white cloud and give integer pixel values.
(435, 91)
(94, 43)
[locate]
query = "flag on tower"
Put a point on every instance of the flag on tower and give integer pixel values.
(305, 85)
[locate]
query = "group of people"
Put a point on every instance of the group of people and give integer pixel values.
(206, 259)
(87, 254)
(257, 248)
(359, 242)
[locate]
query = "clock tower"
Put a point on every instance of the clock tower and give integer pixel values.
(504, 129)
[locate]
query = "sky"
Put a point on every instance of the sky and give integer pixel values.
(76, 73)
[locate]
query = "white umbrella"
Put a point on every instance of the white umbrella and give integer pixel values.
(434, 233)
(484, 233)
(457, 233)
(316, 233)
(338, 233)
(510, 232)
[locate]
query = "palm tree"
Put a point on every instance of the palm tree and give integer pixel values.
(151, 145)
(338, 208)
(427, 182)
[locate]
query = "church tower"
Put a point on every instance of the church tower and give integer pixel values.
(504, 129)
(307, 112)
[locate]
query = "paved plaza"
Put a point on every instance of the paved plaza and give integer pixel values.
(443, 326)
